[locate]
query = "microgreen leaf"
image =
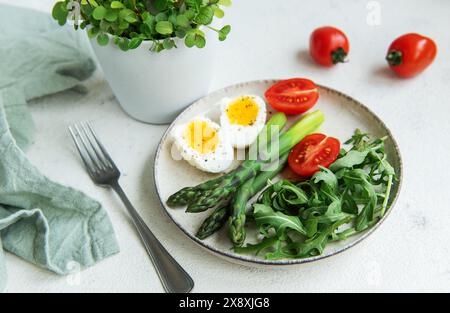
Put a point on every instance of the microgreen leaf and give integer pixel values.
(134, 43)
(117, 5)
(112, 15)
(164, 27)
(183, 21)
(124, 44)
(225, 3)
(102, 39)
(92, 32)
(162, 17)
(205, 16)
(60, 13)
(161, 5)
(190, 40)
(218, 12)
(224, 32)
(200, 41)
(128, 15)
(168, 44)
(99, 13)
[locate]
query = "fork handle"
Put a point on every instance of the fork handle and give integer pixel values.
(173, 277)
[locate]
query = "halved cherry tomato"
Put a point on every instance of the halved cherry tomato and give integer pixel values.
(313, 151)
(411, 54)
(293, 96)
(329, 46)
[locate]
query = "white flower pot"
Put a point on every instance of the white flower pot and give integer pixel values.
(155, 87)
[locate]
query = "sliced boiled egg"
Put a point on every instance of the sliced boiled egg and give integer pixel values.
(203, 144)
(242, 119)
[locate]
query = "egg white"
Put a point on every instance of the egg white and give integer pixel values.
(214, 162)
(242, 136)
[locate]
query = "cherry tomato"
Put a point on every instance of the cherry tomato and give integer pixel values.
(293, 96)
(410, 54)
(329, 46)
(313, 151)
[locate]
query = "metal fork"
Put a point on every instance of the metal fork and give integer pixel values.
(104, 172)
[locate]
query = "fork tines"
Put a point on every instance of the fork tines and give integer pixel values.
(92, 152)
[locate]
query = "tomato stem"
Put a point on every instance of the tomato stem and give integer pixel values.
(339, 56)
(395, 58)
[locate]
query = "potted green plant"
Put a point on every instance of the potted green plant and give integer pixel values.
(154, 54)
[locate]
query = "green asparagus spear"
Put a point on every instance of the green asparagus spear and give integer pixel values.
(236, 222)
(189, 194)
(215, 198)
(219, 217)
(274, 126)
(214, 222)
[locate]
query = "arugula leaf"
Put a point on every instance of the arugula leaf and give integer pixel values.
(351, 159)
(257, 248)
(287, 195)
(349, 204)
(266, 216)
(359, 177)
(279, 252)
(328, 178)
(329, 183)
(316, 245)
(323, 215)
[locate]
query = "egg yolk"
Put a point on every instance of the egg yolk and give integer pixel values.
(201, 137)
(243, 111)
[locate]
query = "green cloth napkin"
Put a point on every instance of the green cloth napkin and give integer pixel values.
(43, 222)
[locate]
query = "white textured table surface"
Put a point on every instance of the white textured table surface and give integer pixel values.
(409, 252)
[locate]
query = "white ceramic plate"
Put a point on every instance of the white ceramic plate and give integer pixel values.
(343, 115)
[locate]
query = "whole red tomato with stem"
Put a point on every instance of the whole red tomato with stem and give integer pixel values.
(293, 96)
(312, 152)
(410, 54)
(329, 46)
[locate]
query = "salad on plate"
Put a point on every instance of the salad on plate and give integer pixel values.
(299, 188)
